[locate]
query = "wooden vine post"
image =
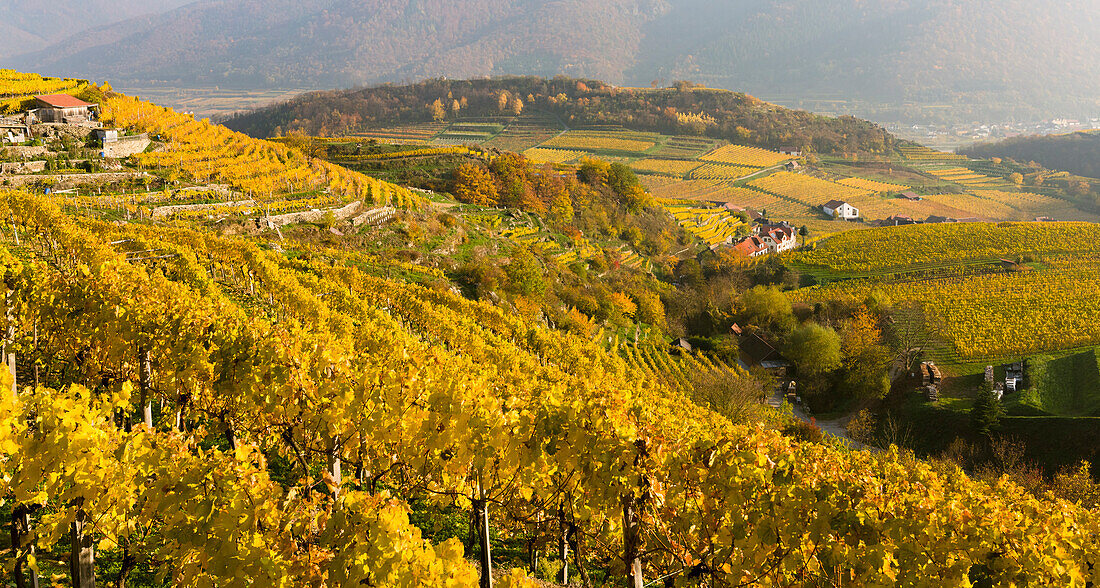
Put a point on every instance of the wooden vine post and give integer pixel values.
(82, 555)
(563, 545)
(145, 368)
(633, 508)
(22, 546)
(481, 515)
(9, 334)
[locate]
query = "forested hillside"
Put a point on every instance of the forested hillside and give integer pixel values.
(683, 110)
(1003, 57)
(1077, 152)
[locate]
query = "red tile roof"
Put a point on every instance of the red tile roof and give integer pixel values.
(62, 101)
(749, 246)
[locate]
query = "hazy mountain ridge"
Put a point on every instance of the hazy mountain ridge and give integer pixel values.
(27, 26)
(1014, 54)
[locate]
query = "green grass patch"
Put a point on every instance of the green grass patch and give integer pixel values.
(1064, 385)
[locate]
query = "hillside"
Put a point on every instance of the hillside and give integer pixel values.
(1017, 57)
(1078, 153)
(576, 103)
(380, 397)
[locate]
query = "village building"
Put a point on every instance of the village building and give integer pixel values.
(63, 108)
(751, 246)
(105, 136)
(681, 345)
(778, 238)
(791, 151)
(793, 166)
(753, 215)
(840, 210)
(911, 196)
(898, 220)
(756, 351)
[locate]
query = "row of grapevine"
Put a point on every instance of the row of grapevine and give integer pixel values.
(392, 390)
(17, 89)
(872, 185)
(264, 169)
(745, 156)
(806, 189)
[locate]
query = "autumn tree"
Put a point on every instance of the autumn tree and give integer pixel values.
(814, 349)
(525, 273)
(474, 184)
(438, 111)
(768, 308)
(864, 373)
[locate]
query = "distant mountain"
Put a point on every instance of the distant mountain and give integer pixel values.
(31, 26)
(1078, 153)
(1015, 55)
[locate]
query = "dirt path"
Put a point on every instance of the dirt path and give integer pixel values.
(834, 427)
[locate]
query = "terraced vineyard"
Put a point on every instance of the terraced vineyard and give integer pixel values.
(966, 177)
(415, 133)
(685, 147)
(713, 226)
(746, 156)
(18, 89)
(524, 133)
(806, 189)
(543, 155)
(922, 153)
(599, 141)
(716, 171)
(872, 185)
(666, 167)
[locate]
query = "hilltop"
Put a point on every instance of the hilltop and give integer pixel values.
(1016, 57)
(685, 109)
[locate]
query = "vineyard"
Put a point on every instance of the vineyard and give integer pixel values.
(806, 189)
(406, 154)
(540, 155)
(266, 170)
(872, 185)
(888, 249)
(17, 88)
(915, 152)
(713, 171)
(993, 316)
(668, 167)
(713, 226)
(684, 147)
(742, 155)
(965, 177)
(983, 315)
(597, 141)
(220, 358)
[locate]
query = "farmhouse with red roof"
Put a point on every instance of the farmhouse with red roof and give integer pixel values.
(63, 108)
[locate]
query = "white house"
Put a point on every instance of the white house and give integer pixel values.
(840, 210)
(779, 239)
